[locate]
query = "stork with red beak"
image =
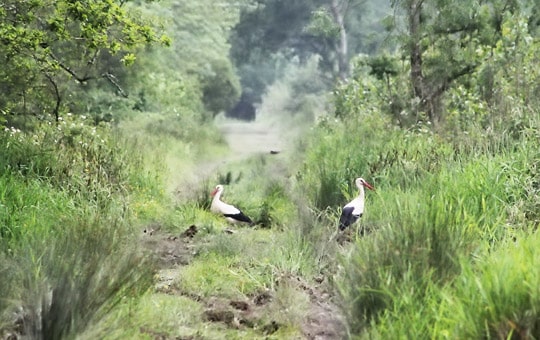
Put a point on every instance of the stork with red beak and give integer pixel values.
(353, 210)
(230, 212)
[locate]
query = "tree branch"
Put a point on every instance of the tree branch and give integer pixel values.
(439, 90)
(57, 94)
(111, 78)
(70, 71)
(457, 29)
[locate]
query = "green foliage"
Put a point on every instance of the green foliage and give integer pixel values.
(219, 91)
(364, 21)
(269, 27)
(67, 190)
(423, 232)
(24, 210)
(450, 232)
(336, 154)
(322, 24)
(54, 44)
(293, 102)
(443, 202)
(363, 94)
(428, 236)
(222, 275)
(383, 66)
(266, 37)
(247, 263)
(449, 45)
(70, 160)
(273, 33)
(203, 78)
(73, 154)
(97, 272)
(274, 211)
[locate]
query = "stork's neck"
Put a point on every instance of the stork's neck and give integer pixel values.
(217, 197)
(361, 193)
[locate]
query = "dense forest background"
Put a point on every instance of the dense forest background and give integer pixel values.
(108, 107)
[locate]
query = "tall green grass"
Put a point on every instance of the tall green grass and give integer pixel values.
(497, 297)
(67, 242)
(443, 207)
(67, 283)
(420, 239)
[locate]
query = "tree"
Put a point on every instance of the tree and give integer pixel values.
(268, 34)
(440, 39)
(50, 49)
(196, 75)
(349, 27)
(328, 24)
(273, 32)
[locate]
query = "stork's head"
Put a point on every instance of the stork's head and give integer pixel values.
(217, 189)
(360, 182)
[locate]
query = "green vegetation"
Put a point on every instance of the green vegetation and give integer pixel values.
(105, 169)
(439, 216)
(451, 201)
(66, 225)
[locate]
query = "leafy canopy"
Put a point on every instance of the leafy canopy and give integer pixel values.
(46, 44)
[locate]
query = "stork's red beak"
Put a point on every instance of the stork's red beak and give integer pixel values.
(369, 186)
(214, 192)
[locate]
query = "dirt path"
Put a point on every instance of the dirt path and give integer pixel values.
(246, 139)
(323, 320)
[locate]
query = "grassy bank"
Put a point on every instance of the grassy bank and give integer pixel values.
(74, 199)
(448, 228)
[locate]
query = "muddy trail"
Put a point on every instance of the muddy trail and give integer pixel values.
(323, 320)
(244, 140)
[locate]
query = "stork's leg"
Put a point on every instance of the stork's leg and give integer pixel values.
(360, 231)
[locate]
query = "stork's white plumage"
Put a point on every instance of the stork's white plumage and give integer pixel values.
(353, 210)
(230, 212)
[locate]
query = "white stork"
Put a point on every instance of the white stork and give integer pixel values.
(231, 213)
(353, 210)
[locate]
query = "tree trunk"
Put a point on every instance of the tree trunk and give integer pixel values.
(417, 77)
(341, 48)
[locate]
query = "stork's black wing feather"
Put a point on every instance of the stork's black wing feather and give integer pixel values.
(239, 217)
(347, 218)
